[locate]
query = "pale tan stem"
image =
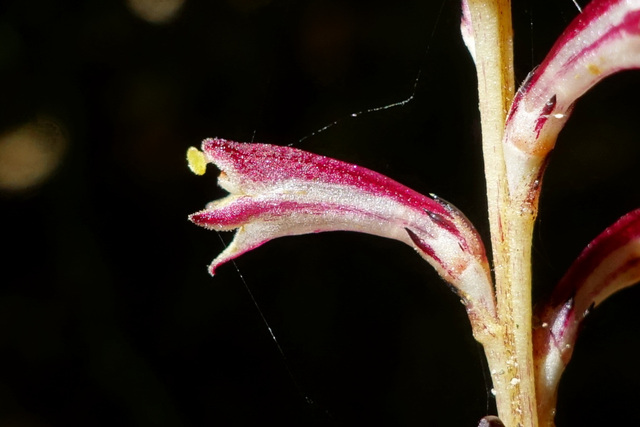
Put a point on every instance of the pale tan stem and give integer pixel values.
(494, 64)
(509, 350)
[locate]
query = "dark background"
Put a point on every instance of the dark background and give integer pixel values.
(107, 313)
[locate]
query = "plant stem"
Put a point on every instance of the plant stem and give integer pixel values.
(508, 348)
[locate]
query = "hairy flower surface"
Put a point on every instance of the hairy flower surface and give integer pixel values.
(281, 191)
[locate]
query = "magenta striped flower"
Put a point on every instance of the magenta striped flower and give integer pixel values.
(609, 263)
(281, 191)
(602, 40)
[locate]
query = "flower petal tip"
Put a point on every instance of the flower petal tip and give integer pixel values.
(196, 218)
(199, 218)
(212, 269)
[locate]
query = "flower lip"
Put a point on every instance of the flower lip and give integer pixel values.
(258, 166)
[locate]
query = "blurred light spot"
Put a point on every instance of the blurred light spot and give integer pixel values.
(30, 153)
(156, 11)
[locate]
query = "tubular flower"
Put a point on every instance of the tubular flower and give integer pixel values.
(611, 262)
(604, 39)
(281, 191)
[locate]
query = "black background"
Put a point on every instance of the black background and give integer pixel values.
(107, 313)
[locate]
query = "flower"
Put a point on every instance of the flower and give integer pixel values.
(604, 39)
(282, 191)
(611, 262)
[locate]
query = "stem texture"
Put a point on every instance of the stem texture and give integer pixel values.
(508, 348)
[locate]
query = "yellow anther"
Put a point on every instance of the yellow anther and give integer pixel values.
(197, 162)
